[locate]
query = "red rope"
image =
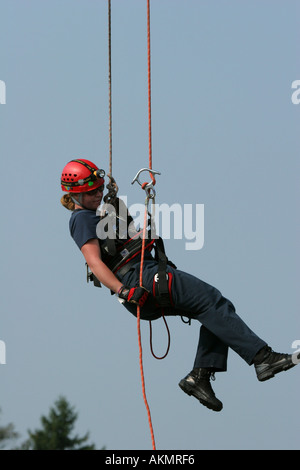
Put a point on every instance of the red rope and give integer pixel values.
(144, 230)
(109, 88)
(139, 334)
(149, 89)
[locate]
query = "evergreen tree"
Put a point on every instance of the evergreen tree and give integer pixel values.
(56, 430)
(7, 433)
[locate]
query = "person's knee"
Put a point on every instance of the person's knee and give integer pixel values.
(223, 302)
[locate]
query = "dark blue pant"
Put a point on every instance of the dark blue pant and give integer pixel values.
(221, 326)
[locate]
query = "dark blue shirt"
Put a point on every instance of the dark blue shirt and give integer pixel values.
(83, 224)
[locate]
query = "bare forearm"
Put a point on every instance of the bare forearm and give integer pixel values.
(105, 276)
(91, 252)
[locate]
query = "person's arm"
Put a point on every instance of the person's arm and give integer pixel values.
(92, 255)
(91, 252)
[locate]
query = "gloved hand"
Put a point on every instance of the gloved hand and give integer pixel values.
(134, 295)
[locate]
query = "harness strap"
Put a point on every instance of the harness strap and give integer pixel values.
(123, 261)
(91, 277)
(162, 291)
(128, 253)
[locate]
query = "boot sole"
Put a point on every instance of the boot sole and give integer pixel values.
(189, 391)
(270, 373)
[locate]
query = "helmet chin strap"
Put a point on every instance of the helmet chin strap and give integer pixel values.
(78, 201)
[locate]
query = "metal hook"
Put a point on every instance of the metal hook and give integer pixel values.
(148, 187)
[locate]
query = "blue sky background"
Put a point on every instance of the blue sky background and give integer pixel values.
(225, 134)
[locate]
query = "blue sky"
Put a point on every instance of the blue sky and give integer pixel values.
(225, 134)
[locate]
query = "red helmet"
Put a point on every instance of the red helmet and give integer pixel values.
(79, 176)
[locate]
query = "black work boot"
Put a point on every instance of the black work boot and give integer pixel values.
(197, 383)
(267, 363)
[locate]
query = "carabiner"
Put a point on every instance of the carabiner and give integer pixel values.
(148, 187)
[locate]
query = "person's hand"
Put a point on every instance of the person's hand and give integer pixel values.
(112, 187)
(134, 295)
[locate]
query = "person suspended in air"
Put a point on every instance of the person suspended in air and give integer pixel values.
(114, 261)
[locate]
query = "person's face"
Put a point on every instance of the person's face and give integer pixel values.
(92, 199)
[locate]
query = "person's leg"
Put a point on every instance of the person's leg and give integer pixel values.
(211, 353)
(196, 299)
(221, 328)
(205, 303)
